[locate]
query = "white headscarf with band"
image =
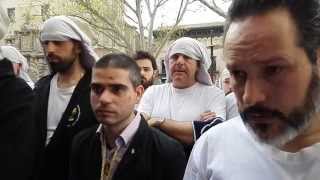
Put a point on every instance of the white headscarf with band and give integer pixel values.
(195, 50)
(13, 55)
(63, 28)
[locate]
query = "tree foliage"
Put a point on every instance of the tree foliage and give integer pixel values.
(121, 25)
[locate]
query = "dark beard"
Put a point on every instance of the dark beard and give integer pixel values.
(61, 66)
(294, 123)
(146, 83)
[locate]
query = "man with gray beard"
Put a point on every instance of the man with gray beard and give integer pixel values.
(272, 50)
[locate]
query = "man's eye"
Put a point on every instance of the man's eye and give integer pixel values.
(238, 76)
(116, 89)
(273, 70)
(97, 89)
(173, 58)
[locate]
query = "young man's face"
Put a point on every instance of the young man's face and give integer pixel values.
(61, 55)
(271, 76)
(147, 72)
(183, 71)
(113, 96)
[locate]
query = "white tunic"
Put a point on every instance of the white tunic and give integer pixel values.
(228, 152)
(182, 104)
(58, 101)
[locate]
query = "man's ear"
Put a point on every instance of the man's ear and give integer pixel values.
(77, 47)
(139, 91)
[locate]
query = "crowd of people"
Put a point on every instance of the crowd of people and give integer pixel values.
(109, 118)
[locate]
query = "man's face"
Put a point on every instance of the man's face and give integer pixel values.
(147, 72)
(183, 71)
(226, 85)
(271, 76)
(113, 96)
(61, 55)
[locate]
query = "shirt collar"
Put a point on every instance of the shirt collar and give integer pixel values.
(126, 135)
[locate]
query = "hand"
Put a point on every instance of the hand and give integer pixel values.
(156, 122)
(207, 116)
(146, 116)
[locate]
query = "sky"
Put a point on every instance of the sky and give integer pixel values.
(196, 13)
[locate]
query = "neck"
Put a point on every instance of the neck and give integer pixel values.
(114, 131)
(183, 86)
(307, 138)
(72, 76)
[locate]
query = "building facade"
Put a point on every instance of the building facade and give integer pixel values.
(27, 17)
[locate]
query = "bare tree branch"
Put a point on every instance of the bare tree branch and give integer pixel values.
(213, 7)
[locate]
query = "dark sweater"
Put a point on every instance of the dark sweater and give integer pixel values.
(156, 157)
(17, 126)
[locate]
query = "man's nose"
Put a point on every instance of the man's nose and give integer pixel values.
(180, 59)
(142, 72)
(254, 92)
(106, 97)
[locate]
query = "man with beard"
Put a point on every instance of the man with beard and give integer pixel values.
(63, 97)
(272, 51)
(148, 67)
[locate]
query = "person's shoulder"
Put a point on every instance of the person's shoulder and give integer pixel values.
(231, 96)
(211, 89)
(159, 86)
(157, 89)
(86, 135)
(42, 81)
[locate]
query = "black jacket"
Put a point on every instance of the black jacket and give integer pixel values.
(156, 157)
(17, 126)
(53, 159)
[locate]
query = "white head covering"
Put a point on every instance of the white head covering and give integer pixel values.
(195, 50)
(63, 28)
(13, 55)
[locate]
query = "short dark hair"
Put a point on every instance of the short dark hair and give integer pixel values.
(305, 14)
(121, 61)
(145, 55)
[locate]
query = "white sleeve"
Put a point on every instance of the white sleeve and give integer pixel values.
(194, 169)
(217, 103)
(147, 101)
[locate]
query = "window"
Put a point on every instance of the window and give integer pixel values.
(11, 14)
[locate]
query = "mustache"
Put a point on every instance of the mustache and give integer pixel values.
(52, 56)
(262, 111)
(273, 114)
